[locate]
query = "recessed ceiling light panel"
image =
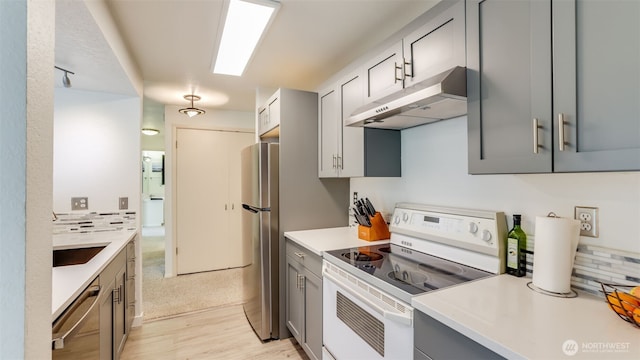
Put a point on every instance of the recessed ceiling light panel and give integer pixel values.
(244, 26)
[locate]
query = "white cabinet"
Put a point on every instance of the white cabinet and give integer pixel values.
(345, 151)
(207, 196)
(435, 47)
(269, 117)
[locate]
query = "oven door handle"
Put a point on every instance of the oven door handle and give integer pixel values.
(58, 341)
(406, 319)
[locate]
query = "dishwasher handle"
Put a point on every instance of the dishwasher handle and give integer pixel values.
(93, 291)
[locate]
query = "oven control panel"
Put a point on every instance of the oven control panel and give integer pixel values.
(474, 230)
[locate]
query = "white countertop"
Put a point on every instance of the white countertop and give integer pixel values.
(319, 240)
(504, 315)
(69, 281)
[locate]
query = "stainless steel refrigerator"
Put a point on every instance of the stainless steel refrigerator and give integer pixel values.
(260, 234)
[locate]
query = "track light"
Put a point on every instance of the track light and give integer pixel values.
(66, 82)
(192, 111)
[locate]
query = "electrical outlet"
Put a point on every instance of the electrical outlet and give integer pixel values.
(588, 217)
(79, 203)
(123, 203)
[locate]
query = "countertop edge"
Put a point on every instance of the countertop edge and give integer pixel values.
(330, 238)
(473, 335)
(113, 248)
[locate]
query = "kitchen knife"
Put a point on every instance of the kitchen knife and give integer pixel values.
(370, 207)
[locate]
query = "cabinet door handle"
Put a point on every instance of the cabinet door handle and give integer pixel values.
(116, 295)
(536, 127)
(340, 162)
(232, 206)
(302, 278)
(300, 255)
(401, 68)
(410, 72)
(334, 161)
(561, 142)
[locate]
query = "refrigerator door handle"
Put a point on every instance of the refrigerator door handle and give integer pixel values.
(254, 209)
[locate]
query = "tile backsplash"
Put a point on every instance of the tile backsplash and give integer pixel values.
(595, 264)
(94, 222)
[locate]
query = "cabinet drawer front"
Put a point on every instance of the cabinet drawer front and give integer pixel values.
(305, 257)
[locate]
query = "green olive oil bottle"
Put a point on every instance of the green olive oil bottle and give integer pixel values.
(516, 246)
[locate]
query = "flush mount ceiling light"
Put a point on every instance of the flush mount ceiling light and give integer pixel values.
(150, 132)
(66, 82)
(191, 111)
(245, 23)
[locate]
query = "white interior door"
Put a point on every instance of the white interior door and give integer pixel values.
(202, 193)
(239, 254)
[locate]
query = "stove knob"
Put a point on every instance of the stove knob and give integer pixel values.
(405, 217)
(396, 219)
(486, 235)
(473, 227)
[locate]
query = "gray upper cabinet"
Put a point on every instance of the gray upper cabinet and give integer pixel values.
(437, 46)
(519, 95)
(383, 73)
(345, 151)
(596, 86)
(508, 86)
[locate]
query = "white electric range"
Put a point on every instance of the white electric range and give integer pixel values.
(367, 290)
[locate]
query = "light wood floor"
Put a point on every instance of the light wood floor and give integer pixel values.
(218, 333)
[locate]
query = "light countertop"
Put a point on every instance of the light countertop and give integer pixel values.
(319, 240)
(69, 281)
(504, 315)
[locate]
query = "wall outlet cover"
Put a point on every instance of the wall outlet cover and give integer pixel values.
(80, 203)
(588, 217)
(123, 203)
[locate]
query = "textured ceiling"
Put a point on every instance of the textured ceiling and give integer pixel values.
(171, 42)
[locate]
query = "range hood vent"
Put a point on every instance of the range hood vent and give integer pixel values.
(443, 96)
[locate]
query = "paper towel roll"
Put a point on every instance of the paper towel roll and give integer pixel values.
(556, 242)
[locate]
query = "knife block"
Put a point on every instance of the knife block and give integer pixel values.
(378, 230)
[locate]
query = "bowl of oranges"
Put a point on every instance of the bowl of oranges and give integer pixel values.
(624, 300)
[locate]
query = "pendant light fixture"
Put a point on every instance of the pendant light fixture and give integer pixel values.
(191, 111)
(150, 131)
(66, 82)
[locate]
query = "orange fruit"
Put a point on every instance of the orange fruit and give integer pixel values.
(627, 307)
(635, 291)
(636, 316)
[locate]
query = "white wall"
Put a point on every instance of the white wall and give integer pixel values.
(434, 171)
(96, 150)
(26, 99)
(212, 119)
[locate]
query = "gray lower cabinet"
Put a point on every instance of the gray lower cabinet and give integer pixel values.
(533, 112)
(304, 298)
(115, 317)
(433, 340)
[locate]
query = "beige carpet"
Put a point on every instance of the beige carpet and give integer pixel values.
(164, 297)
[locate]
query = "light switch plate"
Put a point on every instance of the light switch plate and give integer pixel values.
(79, 203)
(123, 203)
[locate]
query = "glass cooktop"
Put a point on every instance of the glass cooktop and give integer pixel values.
(408, 270)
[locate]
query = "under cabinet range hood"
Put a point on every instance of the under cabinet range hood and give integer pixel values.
(440, 97)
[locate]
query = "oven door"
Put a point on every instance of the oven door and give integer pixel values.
(361, 322)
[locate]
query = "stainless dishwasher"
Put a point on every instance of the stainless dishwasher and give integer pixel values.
(76, 332)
